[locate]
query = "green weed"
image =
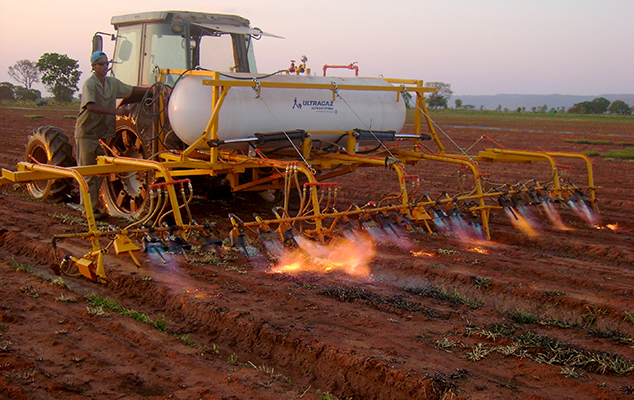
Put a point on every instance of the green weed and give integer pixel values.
(442, 293)
(64, 299)
(612, 335)
(270, 372)
(570, 372)
(69, 219)
(629, 316)
(97, 304)
(18, 266)
(478, 352)
(59, 282)
(623, 154)
(239, 270)
(589, 141)
(30, 290)
(523, 317)
(350, 294)
(328, 396)
(482, 283)
(552, 351)
(594, 312)
(346, 293)
(591, 153)
(446, 344)
(447, 251)
(5, 347)
(97, 311)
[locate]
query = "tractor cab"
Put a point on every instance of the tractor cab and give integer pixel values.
(149, 41)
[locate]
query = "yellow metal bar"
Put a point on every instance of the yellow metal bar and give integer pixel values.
(479, 193)
(62, 172)
(303, 85)
(25, 174)
(421, 105)
(420, 97)
(218, 97)
(211, 131)
(356, 159)
(591, 187)
(149, 164)
(521, 155)
(215, 81)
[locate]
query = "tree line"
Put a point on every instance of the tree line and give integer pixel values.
(600, 105)
(58, 72)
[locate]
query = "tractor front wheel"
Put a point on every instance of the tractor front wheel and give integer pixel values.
(50, 145)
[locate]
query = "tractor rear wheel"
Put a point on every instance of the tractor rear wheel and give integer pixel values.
(50, 145)
(125, 194)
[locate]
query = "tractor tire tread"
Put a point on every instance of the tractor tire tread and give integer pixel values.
(60, 153)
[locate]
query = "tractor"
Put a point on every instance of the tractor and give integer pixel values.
(211, 122)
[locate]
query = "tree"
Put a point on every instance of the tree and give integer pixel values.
(408, 99)
(442, 95)
(579, 108)
(597, 106)
(619, 107)
(6, 91)
(60, 74)
(22, 93)
(436, 101)
(458, 103)
(25, 72)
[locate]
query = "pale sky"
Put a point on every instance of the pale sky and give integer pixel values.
(580, 47)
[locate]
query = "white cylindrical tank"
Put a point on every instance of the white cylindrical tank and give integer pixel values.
(283, 109)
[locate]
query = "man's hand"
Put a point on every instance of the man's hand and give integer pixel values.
(123, 111)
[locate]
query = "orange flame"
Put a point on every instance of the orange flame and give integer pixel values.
(423, 253)
(613, 227)
(197, 293)
(351, 254)
(521, 223)
(555, 218)
(480, 250)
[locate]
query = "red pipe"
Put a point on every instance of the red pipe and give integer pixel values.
(349, 66)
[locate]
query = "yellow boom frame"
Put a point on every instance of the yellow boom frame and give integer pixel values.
(214, 161)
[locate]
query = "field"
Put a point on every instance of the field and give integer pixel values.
(545, 315)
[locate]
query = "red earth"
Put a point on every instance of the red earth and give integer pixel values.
(545, 316)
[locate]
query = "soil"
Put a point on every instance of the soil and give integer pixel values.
(545, 316)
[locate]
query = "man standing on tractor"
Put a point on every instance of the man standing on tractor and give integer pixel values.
(97, 118)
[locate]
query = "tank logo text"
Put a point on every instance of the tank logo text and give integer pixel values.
(315, 105)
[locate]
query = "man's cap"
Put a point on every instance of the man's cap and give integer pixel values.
(97, 55)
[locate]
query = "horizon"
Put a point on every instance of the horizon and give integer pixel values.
(490, 48)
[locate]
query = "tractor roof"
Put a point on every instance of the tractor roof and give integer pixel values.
(183, 16)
